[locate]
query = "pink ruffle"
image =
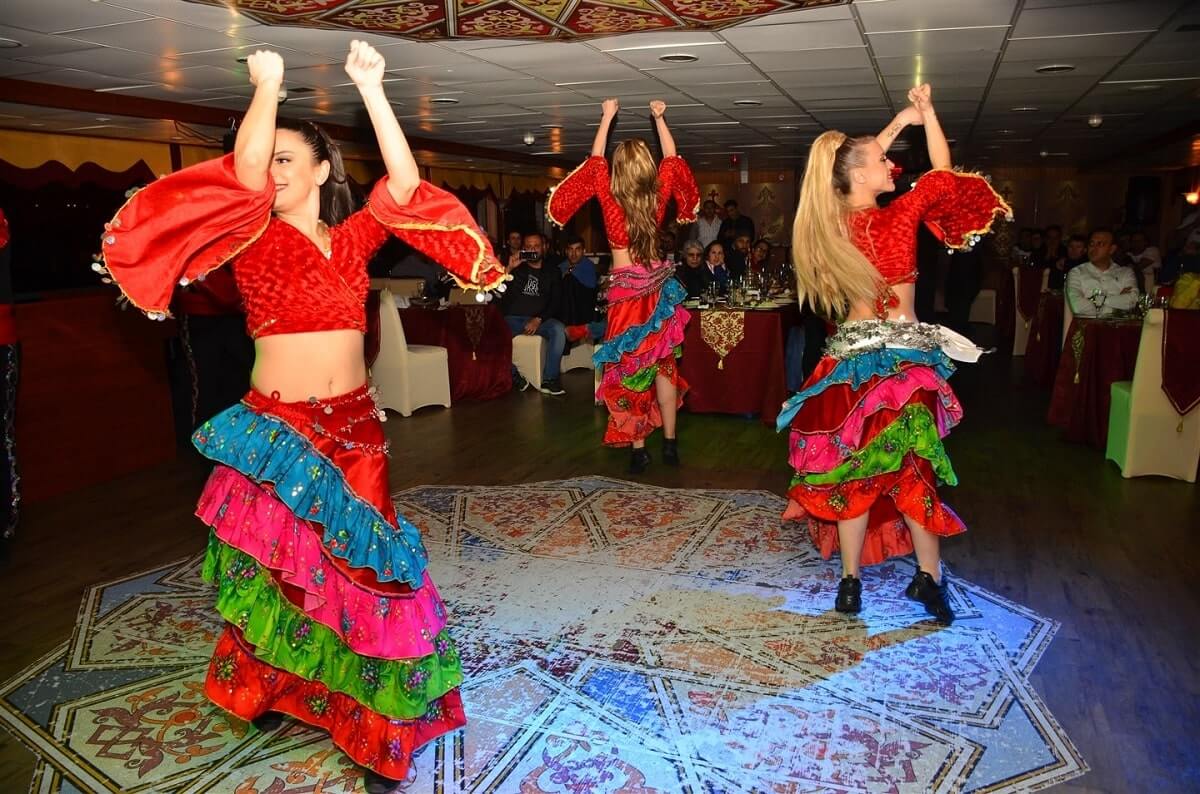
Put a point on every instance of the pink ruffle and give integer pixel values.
(372, 623)
(669, 337)
(822, 452)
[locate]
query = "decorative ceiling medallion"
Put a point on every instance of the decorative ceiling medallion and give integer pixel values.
(510, 19)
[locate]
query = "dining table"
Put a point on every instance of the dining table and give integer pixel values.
(1098, 352)
(734, 358)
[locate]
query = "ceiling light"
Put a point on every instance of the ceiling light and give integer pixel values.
(679, 57)
(1055, 68)
(788, 127)
(1192, 198)
(1004, 132)
(747, 103)
(1025, 109)
(1145, 87)
(552, 126)
(1095, 120)
(8, 44)
(528, 138)
(103, 118)
(443, 100)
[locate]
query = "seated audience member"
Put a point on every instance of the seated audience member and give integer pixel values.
(1098, 287)
(530, 305)
(577, 309)
(1145, 259)
(1075, 256)
(760, 257)
(666, 245)
(1053, 245)
(692, 273)
(1185, 260)
(714, 263)
(1022, 251)
(737, 259)
(511, 254)
(1037, 249)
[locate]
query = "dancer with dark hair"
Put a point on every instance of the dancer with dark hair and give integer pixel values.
(641, 384)
(332, 616)
(866, 428)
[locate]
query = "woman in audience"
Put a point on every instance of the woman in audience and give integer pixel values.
(714, 263)
(641, 384)
(332, 616)
(760, 255)
(866, 428)
(692, 273)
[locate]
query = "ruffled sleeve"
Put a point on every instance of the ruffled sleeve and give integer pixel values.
(576, 189)
(179, 228)
(956, 207)
(675, 181)
(437, 224)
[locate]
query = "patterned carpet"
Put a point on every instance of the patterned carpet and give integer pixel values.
(616, 638)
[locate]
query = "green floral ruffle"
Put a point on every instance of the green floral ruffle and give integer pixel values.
(284, 637)
(914, 432)
(643, 379)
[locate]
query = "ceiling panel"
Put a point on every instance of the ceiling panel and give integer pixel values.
(110, 60)
(959, 40)
(927, 14)
(710, 55)
(1097, 16)
(929, 62)
(212, 17)
(825, 78)
(49, 17)
(161, 37)
(1058, 48)
(830, 59)
(1094, 67)
(800, 36)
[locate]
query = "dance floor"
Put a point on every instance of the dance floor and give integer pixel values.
(616, 637)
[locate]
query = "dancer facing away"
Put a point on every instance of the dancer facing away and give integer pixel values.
(332, 617)
(866, 428)
(641, 384)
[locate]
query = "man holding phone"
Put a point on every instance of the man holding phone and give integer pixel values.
(530, 305)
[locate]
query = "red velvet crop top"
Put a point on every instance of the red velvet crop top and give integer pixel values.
(289, 286)
(591, 179)
(956, 207)
(185, 225)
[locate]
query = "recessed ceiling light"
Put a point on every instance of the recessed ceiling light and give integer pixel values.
(747, 103)
(1055, 68)
(36, 124)
(1025, 109)
(443, 100)
(679, 57)
(1146, 87)
(103, 118)
(788, 127)
(552, 126)
(9, 44)
(1004, 132)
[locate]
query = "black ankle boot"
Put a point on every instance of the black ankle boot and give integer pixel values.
(268, 721)
(639, 460)
(376, 783)
(922, 588)
(849, 596)
(670, 452)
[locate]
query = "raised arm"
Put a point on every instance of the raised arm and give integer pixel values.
(609, 112)
(254, 147)
(365, 67)
(935, 139)
(888, 135)
(658, 110)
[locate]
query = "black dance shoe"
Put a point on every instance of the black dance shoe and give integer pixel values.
(922, 588)
(375, 783)
(849, 597)
(268, 721)
(639, 460)
(670, 452)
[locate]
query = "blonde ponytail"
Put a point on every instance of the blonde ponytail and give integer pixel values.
(831, 274)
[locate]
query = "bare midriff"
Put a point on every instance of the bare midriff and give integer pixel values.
(319, 364)
(621, 258)
(904, 312)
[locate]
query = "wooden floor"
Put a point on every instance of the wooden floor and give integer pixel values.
(1052, 526)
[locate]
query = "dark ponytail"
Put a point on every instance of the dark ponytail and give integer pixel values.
(337, 197)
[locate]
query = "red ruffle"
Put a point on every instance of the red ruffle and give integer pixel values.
(240, 683)
(436, 223)
(634, 415)
(4, 233)
(181, 227)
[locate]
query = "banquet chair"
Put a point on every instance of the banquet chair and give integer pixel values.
(1021, 325)
(579, 356)
(1146, 435)
(529, 356)
(407, 376)
(461, 297)
(983, 308)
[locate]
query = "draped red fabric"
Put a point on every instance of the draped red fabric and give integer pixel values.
(1107, 352)
(1045, 341)
(1181, 358)
(1029, 292)
(478, 345)
(752, 378)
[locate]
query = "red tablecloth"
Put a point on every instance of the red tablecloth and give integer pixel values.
(478, 344)
(1029, 291)
(1044, 347)
(1097, 354)
(752, 379)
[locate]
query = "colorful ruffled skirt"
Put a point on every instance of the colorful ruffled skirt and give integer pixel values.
(331, 615)
(646, 326)
(866, 437)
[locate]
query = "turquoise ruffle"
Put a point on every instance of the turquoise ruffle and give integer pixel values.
(268, 450)
(857, 370)
(609, 352)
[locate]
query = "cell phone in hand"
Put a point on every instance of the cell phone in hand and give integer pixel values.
(530, 256)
